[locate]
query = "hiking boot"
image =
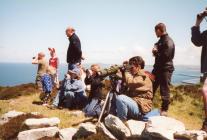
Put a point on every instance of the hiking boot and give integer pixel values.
(163, 113)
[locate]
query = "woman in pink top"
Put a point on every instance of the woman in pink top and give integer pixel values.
(53, 64)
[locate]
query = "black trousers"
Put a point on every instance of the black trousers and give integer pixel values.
(162, 80)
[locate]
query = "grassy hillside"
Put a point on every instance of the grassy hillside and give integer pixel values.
(187, 105)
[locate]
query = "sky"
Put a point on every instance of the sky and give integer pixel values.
(111, 31)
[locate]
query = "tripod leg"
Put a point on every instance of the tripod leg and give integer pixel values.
(104, 107)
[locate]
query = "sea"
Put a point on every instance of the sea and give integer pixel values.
(12, 74)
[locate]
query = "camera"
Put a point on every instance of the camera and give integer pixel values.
(203, 14)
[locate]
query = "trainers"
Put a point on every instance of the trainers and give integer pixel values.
(163, 113)
(44, 104)
(52, 107)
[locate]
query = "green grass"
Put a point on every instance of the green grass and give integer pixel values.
(186, 106)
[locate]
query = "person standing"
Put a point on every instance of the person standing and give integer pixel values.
(42, 68)
(163, 68)
(200, 39)
(74, 53)
(54, 64)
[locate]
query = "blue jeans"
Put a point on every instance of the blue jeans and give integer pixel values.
(70, 99)
(126, 108)
(71, 66)
(75, 99)
(59, 98)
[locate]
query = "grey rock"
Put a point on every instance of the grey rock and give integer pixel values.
(36, 134)
(9, 115)
(136, 128)
(103, 130)
(190, 135)
(85, 130)
(162, 128)
(117, 127)
(67, 133)
(35, 113)
(33, 123)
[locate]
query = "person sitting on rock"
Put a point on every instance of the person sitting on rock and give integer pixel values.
(136, 100)
(93, 108)
(71, 93)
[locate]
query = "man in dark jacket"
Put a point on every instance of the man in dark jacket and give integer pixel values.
(74, 53)
(200, 39)
(163, 52)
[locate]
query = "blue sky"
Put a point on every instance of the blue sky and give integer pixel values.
(110, 31)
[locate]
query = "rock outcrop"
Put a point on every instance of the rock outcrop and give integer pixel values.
(136, 128)
(157, 128)
(9, 115)
(117, 127)
(67, 133)
(161, 127)
(43, 122)
(35, 134)
(85, 130)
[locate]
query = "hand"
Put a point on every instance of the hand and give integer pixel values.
(82, 58)
(154, 50)
(67, 76)
(122, 69)
(198, 21)
(125, 63)
(88, 72)
(200, 17)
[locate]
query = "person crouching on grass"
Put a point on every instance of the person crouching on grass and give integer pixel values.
(71, 94)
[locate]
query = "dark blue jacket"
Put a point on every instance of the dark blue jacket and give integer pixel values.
(74, 52)
(200, 39)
